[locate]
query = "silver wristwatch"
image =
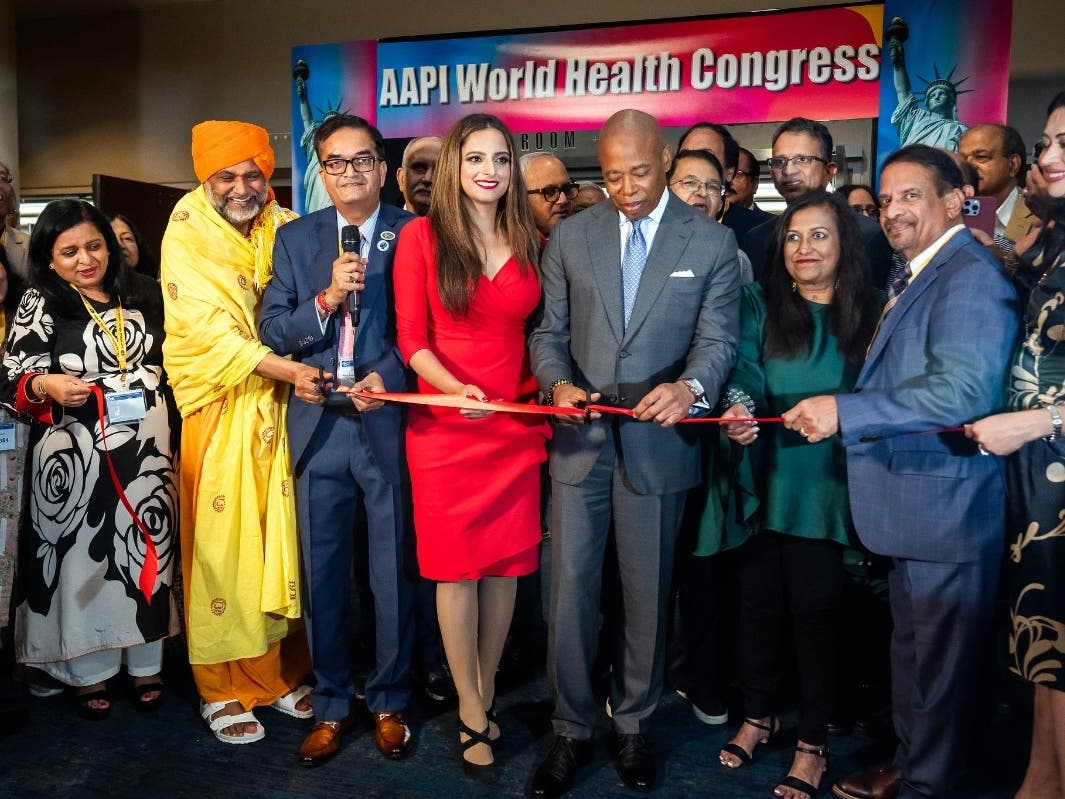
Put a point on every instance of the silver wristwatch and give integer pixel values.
(694, 386)
(1055, 419)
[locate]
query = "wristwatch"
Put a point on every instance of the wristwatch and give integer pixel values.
(1055, 419)
(694, 386)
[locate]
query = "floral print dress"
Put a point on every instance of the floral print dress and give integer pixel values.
(1035, 567)
(80, 550)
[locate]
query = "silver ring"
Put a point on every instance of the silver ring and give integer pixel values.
(803, 433)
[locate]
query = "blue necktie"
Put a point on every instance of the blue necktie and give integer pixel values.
(632, 268)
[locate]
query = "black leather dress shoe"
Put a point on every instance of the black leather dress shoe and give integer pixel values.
(633, 760)
(554, 777)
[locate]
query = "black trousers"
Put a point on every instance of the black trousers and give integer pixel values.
(790, 587)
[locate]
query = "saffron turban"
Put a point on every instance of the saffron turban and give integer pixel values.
(218, 145)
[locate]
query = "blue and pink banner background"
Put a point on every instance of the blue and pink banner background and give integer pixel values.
(824, 63)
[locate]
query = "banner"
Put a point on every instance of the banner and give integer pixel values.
(945, 68)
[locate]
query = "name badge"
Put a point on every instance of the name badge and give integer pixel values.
(125, 406)
(7, 436)
(346, 372)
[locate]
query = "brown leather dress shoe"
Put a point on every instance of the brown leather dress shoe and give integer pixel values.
(323, 741)
(879, 782)
(393, 735)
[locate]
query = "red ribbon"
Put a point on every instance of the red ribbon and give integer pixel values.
(469, 403)
(150, 569)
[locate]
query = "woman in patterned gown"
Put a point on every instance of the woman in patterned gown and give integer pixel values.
(1031, 435)
(466, 283)
(83, 360)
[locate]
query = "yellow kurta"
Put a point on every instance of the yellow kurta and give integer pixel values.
(242, 572)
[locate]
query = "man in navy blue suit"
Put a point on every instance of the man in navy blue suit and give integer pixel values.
(347, 451)
(933, 503)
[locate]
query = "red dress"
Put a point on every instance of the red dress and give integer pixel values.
(476, 482)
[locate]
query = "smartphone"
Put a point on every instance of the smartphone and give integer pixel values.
(979, 213)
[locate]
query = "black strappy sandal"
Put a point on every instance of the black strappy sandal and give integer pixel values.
(475, 738)
(490, 714)
(744, 756)
(797, 784)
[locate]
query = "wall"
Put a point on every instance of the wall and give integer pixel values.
(118, 92)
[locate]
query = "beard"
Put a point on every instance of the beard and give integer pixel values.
(221, 204)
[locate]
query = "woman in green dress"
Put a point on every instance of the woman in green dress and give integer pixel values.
(803, 332)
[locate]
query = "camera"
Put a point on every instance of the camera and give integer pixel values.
(970, 206)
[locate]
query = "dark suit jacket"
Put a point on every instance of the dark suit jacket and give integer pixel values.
(878, 252)
(304, 252)
(740, 220)
(939, 359)
(684, 324)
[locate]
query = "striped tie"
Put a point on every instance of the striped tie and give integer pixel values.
(898, 285)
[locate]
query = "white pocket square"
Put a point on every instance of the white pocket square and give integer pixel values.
(683, 273)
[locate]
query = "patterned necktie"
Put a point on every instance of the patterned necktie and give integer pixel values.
(632, 267)
(898, 285)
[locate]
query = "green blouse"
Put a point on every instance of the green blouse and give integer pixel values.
(780, 482)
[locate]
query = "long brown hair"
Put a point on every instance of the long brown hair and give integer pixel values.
(459, 261)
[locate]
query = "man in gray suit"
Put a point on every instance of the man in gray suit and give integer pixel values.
(640, 311)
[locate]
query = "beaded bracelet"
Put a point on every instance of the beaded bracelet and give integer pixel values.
(323, 307)
(737, 396)
(550, 397)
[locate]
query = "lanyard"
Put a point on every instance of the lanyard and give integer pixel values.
(117, 336)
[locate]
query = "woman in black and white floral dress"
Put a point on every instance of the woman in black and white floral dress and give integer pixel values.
(96, 549)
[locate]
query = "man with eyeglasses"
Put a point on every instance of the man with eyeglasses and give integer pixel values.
(550, 189)
(801, 163)
(415, 177)
(347, 453)
(16, 244)
(740, 192)
(997, 153)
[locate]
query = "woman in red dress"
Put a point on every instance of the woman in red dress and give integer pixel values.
(466, 283)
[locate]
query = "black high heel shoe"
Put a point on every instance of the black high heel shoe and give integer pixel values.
(741, 754)
(497, 742)
(797, 784)
(474, 738)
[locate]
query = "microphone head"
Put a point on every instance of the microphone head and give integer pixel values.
(349, 238)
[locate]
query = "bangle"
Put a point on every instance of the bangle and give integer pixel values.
(324, 307)
(1055, 419)
(37, 389)
(737, 396)
(549, 399)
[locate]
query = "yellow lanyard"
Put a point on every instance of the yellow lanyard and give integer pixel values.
(117, 336)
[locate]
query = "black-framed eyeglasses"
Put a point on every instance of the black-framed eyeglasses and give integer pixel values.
(870, 211)
(692, 185)
(738, 172)
(360, 163)
(778, 162)
(550, 193)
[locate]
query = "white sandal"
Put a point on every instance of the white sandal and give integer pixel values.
(287, 703)
(208, 709)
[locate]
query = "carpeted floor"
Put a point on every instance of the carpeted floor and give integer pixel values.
(171, 753)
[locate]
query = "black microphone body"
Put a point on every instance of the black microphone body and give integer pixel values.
(349, 242)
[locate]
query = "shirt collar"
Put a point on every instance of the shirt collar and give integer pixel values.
(656, 213)
(921, 260)
(1005, 211)
(366, 229)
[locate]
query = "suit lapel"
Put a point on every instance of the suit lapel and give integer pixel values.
(327, 247)
(669, 242)
(375, 266)
(604, 242)
(908, 297)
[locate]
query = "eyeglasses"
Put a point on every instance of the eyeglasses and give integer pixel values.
(360, 163)
(778, 162)
(5, 177)
(739, 173)
(550, 193)
(692, 185)
(870, 211)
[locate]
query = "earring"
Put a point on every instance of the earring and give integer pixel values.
(51, 267)
(794, 287)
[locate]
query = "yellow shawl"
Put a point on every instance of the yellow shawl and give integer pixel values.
(244, 575)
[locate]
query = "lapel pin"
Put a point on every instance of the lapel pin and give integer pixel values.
(382, 245)
(387, 235)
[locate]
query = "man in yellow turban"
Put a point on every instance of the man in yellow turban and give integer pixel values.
(239, 546)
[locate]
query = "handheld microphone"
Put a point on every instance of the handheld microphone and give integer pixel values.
(349, 242)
